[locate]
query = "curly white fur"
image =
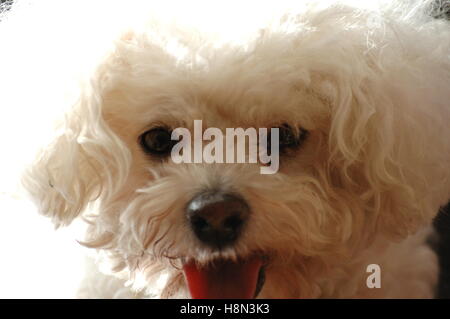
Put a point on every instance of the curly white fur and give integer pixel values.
(370, 85)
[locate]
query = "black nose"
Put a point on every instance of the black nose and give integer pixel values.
(217, 218)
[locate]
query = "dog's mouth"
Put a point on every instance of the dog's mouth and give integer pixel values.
(226, 279)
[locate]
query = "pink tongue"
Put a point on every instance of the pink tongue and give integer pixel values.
(223, 279)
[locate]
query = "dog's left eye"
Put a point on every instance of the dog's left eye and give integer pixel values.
(290, 138)
(157, 141)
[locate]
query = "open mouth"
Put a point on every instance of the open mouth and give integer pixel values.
(226, 279)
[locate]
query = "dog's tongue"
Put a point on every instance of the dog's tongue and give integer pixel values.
(224, 279)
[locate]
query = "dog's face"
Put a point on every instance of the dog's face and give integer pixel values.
(200, 215)
(345, 174)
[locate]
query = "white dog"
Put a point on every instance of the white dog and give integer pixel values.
(362, 100)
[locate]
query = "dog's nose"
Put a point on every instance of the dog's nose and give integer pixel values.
(217, 218)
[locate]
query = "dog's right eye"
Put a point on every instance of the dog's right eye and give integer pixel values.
(157, 141)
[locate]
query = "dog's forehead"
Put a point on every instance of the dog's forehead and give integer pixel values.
(217, 107)
(174, 79)
(218, 99)
(253, 85)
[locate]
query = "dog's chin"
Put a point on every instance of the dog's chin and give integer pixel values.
(222, 278)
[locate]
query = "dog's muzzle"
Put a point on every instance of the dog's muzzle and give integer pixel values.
(217, 218)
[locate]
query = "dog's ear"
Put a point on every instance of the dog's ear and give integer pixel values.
(389, 144)
(86, 162)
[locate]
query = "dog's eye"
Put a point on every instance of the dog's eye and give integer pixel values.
(157, 141)
(290, 138)
(287, 136)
